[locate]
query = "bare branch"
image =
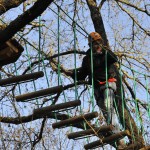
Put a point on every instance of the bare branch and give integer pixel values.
(136, 22)
(101, 4)
(131, 5)
(5, 5)
(37, 9)
(41, 132)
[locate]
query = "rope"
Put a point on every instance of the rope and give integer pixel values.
(122, 95)
(41, 57)
(106, 74)
(58, 46)
(39, 51)
(72, 19)
(29, 62)
(75, 60)
(148, 97)
(92, 73)
(17, 74)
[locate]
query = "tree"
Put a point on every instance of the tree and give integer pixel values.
(124, 28)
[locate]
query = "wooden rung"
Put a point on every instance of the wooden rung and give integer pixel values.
(107, 140)
(40, 93)
(145, 148)
(94, 131)
(134, 146)
(74, 120)
(21, 78)
(45, 110)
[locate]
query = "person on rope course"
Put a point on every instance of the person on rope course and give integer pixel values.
(104, 84)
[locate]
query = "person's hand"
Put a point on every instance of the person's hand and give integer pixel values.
(70, 73)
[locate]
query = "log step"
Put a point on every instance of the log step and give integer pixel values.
(145, 148)
(21, 78)
(61, 107)
(107, 140)
(74, 120)
(134, 146)
(39, 94)
(94, 131)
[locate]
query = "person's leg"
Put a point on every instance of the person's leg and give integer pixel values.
(105, 98)
(99, 97)
(109, 98)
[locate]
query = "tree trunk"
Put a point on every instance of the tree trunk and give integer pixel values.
(125, 117)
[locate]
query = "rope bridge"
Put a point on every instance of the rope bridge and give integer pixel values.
(89, 122)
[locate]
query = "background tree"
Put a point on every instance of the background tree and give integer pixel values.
(45, 30)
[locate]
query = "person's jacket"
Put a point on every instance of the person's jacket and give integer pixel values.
(99, 66)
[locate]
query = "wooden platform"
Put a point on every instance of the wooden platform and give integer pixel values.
(10, 52)
(21, 78)
(58, 107)
(93, 131)
(145, 148)
(39, 94)
(107, 140)
(74, 120)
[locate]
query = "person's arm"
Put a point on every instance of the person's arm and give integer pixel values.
(111, 57)
(81, 72)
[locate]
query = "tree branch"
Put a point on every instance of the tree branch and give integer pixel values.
(26, 119)
(97, 20)
(131, 5)
(41, 132)
(5, 5)
(28, 16)
(101, 4)
(136, 22)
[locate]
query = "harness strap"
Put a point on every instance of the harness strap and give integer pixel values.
(109, 80)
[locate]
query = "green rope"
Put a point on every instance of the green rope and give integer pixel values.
(76, 92)
(66, 21)
(106, 74)
(122, 95)
(92, 73)
(44, 68)
(75, 60)
(71, 19)
(138, 118)
(58, 45)
(17, 74)
(39, 51)
(29, 62)
(59, 73)
(148, 97)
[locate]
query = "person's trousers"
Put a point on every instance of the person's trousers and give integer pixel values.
(105, 98)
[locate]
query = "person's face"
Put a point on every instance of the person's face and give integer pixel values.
(97, 46)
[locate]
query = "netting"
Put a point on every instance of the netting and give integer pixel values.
(35, 59)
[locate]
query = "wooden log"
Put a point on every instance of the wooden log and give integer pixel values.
(74, 120)
(134, 146)
(107, 140)
(10, 52)
(145, 148)
(21, 78)
(40, 93)
(46, 110)
(93, 131)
